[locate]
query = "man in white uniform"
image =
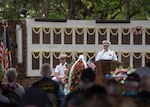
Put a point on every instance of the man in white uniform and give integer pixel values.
(106, 53)
(61, 70)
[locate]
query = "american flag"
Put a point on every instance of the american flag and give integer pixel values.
(5, 54)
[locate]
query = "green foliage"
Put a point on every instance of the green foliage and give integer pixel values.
(111, 72)
(129, 68)
(77, 9)
(2, 72)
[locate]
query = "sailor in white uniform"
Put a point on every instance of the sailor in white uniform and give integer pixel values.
(106, 53)
(61, 70)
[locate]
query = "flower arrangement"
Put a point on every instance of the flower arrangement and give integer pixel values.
(75, 71)
(137, 30)
(120, 74)
(76, 74)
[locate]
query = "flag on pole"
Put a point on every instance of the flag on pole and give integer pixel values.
(5, 53)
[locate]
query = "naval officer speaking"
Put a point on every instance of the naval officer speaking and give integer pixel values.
(106, 53)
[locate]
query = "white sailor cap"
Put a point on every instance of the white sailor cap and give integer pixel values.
(61, 56)
(106, 42)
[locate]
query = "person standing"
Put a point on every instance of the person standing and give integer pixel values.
(106, 53)
(61, 69)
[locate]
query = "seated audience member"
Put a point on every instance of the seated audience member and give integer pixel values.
(122, 102)
(78, 97)
(35, 97)
(97, 97)
(47, 84)
(144, 94)
(3, 99)
(141, 71)
(87, 79)
(147, 64)
(61, 70)
(11, 85)
(113, 88)
(115, 97)
(132, 85)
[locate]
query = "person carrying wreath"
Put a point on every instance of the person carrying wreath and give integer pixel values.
(61, 69)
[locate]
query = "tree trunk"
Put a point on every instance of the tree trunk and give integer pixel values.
(127, 9)
(47, 7)
(71, 8)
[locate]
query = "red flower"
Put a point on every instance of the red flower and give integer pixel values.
(75, 68)
(76, 82)
(119, 78)
(117, 71)
(73, 76)
(71, 88)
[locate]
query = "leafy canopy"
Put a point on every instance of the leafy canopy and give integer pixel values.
(77, 9)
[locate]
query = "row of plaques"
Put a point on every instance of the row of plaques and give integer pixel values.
(137, 62)
(79, 39)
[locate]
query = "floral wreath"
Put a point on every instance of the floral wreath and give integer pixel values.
(137, 30)
(73, 77)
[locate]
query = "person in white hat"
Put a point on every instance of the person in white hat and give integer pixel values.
(106, 53)
(61, 70)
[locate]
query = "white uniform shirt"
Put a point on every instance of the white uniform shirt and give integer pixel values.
(60, 69)
(106, 55)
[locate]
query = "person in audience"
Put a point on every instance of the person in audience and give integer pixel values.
(47, 84)
(144, 93)
(132, 85)
(77, 99)
(10, 84)
(106, 53)
(61, 69)
(113, 88)
(87, 79)
(97, 97)
(79, 96)
(35, 97)
(3, 99)
(147, 64)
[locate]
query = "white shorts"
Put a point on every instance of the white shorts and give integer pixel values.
(55, 79)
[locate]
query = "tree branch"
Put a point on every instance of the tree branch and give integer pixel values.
(113, 17)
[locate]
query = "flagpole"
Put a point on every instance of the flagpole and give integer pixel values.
(10, 59)
(8, 47)
(4, 55)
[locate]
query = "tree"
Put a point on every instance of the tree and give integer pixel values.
(77, 9)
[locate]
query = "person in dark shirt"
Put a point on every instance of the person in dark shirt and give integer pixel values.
(3, 99)
(144, 94)
(47, 84)
(132, 85)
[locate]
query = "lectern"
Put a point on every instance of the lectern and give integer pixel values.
(104, 67)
